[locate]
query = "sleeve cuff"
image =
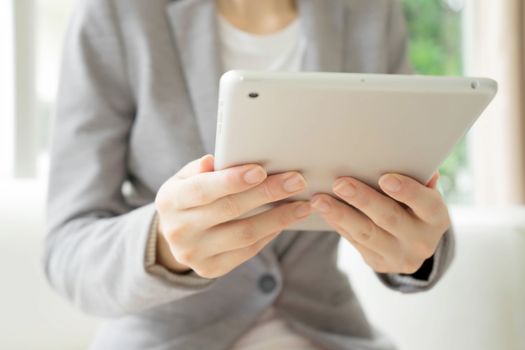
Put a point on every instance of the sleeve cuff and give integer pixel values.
(409, 283)
(399, 279)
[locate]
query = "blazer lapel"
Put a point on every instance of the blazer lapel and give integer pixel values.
(323, 23)
(193, 23)
(194, 27)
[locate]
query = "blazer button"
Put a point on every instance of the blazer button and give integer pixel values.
(267, 283)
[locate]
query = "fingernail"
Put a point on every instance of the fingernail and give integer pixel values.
(254, 175)
(321, 205)
(345, 189)
(302, 210)
(294, 183)
(390, 183)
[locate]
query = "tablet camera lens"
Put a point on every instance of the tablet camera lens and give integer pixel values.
(474, 85)
(253, 95)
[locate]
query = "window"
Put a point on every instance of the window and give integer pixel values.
(6, 89)
(435, 29)
(52, 19)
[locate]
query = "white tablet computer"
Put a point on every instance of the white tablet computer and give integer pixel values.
(327, 125)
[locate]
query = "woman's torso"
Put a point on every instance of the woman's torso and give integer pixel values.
(171, 54)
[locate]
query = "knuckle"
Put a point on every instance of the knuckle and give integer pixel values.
(374, 263)
(435, 204)
(424, 250)
(345, 233)
(162, 204)
(266, 191)
(366, 231)
(230, 207)
(438, 214)
(285, 216)
(380, 268)
(197, 191)
(336, 214)
(410, 194)
(436, 209)
(247, 232)
(410, 266)
(231, 180)
(177, 231)
(445, 224)
(369, 262)
(186, 257)
(362, 199)
(348, 237)
(392, 216)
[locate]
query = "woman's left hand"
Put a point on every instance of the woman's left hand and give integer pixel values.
(391, 237)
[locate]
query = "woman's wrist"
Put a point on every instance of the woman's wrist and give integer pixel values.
(164, 256)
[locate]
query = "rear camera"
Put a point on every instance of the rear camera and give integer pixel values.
(253, 95)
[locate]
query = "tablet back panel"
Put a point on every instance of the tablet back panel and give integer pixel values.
(327, 125)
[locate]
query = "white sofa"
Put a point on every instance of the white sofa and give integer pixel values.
(480, 304)
(32, 316)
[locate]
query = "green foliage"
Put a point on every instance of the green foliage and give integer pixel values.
(435, 49)
(435, 37)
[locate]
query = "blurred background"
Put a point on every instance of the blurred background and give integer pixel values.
(479, 305)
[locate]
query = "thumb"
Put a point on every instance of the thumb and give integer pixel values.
(197, 166)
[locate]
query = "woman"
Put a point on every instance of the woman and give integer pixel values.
(142, 230)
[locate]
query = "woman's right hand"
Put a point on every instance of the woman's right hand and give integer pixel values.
(198, 206)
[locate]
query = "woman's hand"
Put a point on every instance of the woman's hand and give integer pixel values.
(197, 209)
(391, 237)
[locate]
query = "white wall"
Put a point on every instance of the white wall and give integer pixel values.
(7, 85)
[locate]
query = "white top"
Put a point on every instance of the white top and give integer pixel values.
(280, 51)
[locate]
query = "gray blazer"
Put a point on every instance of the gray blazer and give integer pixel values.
(137, 101)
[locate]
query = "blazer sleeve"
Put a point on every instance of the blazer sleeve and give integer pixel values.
(95, 249)
(433, 268)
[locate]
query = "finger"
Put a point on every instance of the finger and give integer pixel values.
(274, 188)
(200, 165)
(245, 232)
(382, 210)
(204, 188)
(354, 225)
(425, 202)
(434, 180)
(221, 264)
